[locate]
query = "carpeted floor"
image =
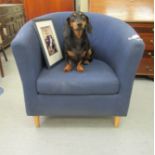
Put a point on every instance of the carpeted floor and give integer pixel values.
(73, 136)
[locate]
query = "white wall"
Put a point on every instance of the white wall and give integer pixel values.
(82, 5)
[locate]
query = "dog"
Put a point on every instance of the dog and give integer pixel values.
(76, 44)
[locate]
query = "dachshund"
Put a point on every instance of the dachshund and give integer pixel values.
(76, 44)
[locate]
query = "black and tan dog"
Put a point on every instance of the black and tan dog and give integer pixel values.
(76, 43)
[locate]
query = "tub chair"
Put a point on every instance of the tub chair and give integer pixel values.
(103, 89)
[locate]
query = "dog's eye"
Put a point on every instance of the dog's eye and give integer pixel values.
(72, 19)
(83, 17)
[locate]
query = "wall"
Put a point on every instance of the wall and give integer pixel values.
(84, 5)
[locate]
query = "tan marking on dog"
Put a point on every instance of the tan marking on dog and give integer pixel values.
(68, 68)
(78, 34)
(80, 67)
(71, 54)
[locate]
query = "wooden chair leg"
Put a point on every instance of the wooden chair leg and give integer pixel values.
(6, 59)
(1, 67)
(117, 120)
(37, 121)
(3, 51)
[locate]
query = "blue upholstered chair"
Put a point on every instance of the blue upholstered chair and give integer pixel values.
(104, 89)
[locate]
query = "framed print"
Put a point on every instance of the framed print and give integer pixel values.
(49, 41)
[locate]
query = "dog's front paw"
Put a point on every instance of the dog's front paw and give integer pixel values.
(86, 62)
(80, 68)
(68, 68)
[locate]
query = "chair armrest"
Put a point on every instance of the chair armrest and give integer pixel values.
(116, 43)
(27, 53)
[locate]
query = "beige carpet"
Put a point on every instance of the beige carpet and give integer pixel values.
(73, 136)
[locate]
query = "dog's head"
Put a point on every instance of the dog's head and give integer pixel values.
(78, 21)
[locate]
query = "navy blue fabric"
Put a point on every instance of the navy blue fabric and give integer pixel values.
(110, 40)
(98, 78)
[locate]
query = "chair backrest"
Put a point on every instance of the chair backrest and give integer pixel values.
(104, 30)
(99, 22)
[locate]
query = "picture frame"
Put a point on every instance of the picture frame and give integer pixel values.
(49, 41)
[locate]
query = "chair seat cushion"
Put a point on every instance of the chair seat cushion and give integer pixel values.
(97, 79)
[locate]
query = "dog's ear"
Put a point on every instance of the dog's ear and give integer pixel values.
(67, 30)
(88, 26)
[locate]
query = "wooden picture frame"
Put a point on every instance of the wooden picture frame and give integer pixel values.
(49, 41)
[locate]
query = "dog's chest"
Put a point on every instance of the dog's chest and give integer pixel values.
(78, 45)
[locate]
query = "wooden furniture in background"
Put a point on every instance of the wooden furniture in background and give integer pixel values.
(1, 67)
(11, 1)
(145, 30)
(34, 8)
(11, 20)
(139, 14)
(2, 51)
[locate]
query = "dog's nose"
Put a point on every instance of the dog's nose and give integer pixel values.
(79, 24)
